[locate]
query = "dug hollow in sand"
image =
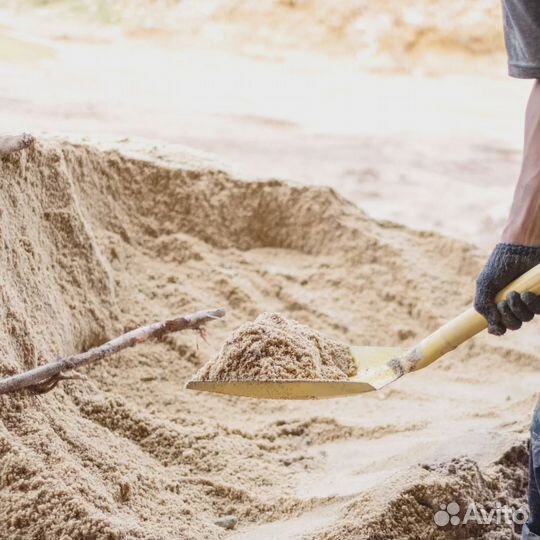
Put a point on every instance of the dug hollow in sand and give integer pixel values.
(275, 348)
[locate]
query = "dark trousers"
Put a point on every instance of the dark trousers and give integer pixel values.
(531, 531)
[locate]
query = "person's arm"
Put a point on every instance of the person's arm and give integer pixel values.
(520, 247)
(523, 226)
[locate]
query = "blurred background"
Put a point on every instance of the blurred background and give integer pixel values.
(403, 107)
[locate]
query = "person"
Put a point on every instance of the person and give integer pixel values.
(519, 249)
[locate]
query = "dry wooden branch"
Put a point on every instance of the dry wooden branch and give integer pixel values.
(44, 378)
(14, 143)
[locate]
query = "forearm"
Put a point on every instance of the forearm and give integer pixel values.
(523, 225)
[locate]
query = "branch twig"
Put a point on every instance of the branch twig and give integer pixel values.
(14, 143)
(44, 378)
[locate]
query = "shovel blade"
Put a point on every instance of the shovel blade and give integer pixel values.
(373, 373)
(372, 364)
(294, 389)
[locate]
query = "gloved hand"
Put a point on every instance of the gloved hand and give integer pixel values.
(506, 263)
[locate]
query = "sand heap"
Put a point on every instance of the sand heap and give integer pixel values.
(94, 243)
(275, 348)
(406, 508)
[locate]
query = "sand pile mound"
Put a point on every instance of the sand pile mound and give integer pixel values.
(94, 243)
(275, 348)
(411, 512)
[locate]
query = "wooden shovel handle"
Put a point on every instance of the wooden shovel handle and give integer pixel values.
(469, 323)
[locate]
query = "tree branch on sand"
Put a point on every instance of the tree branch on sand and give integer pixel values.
(44, 378)
(14, 143)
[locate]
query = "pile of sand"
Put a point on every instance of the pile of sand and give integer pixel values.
(94, 243)
(274, 348)
(406, 508)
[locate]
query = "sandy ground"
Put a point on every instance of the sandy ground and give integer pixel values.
(432, 152)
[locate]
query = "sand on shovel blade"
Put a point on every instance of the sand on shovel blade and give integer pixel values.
(275, 348)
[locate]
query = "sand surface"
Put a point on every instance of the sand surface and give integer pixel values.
(96, 243)
(155, 208)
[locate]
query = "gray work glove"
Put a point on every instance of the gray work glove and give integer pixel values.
(506, 263)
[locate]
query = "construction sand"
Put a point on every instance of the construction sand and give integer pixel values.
(275, 348)
(95, 243)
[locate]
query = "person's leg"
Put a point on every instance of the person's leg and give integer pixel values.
(531, 530)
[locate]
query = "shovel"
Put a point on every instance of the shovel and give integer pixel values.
(377, 366)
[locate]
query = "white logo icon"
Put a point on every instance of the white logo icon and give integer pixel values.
(447, 514)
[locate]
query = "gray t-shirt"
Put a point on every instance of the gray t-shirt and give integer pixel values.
(522, 37)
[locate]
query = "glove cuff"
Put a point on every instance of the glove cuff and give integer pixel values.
(516, 250)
